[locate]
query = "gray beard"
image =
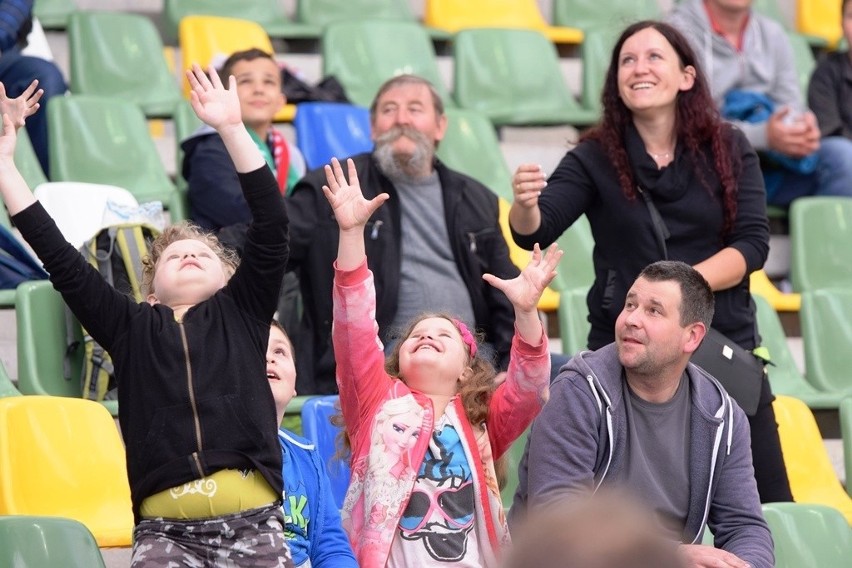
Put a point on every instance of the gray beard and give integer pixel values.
(404, 166)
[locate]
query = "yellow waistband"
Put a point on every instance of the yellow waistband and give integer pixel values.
(225, 492)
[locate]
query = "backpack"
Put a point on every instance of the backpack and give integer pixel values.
(116, 252)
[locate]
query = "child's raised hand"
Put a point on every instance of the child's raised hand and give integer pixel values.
(350, 207)
(23, 106)
(525, 291)
(212, 102)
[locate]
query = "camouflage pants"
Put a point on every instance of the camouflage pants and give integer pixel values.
(251, 538)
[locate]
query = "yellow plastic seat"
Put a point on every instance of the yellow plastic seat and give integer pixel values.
(549, 301)
(206, 39)
(812, 477)
(820, 18)
(760, 284)
(63, 457)
(455, 15)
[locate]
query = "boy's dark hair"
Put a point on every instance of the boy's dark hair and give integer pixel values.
(237, 56)
(696, 296)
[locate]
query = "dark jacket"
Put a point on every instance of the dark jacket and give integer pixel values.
(476, 239)
(578, 443)
(193, 394)
(830, 94)
(625, 242)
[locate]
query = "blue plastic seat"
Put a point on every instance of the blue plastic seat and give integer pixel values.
(331, 130)
(317, 427)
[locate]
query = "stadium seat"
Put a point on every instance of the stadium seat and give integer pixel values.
(574, 323)
(826, 320)
(803, 59)
(846, 433)
(820, 233)
(812, 477)
(320, 13)
(576, 269)
(470, 146)
(595, 54)
(268, 13)
(317, 427)
(513, 77)
(513, 457)
(331, 130)
(211, 39)
(27, 162)
(585, 14)
(761, 285)
(363, 54)
(455, 15)
(186, 122)
(54, 14)
(808, 535)
(7, 388)
(106, 140)
(549, 301)
(64, 457)
(43, 542)
(820, 18)
(784, 375)
(120, 55)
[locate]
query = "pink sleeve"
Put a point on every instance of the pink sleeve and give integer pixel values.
(519, 399)
(359, 354)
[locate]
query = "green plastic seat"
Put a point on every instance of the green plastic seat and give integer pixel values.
(576, 268)
(54, 14)
(820, 233)
(826, 321)
(573, 317)
(470, 146)
(106, 140)
(120, 55)
(514, 457)
(846, 433)
(7, 388)
(27, 163)
(784, 375)
(595, 53)
(186, 122)
(808, 535)
(585, 14)
(268, 13)
(363, 54)
(803, 58)
(513, 77)
(47, 542)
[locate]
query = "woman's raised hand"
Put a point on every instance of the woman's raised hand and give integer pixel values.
(526, 289)
(347, 201)
(212, 102)
(23, 106)
(527, 184)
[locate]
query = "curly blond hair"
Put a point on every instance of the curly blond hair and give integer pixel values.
(185, 230)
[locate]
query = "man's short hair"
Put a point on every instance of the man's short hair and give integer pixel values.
(237, 56)
(696, 296)
(407, 79)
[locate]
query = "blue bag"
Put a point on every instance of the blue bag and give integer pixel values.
(16, 264)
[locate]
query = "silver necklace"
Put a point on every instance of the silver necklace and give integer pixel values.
(663, 156)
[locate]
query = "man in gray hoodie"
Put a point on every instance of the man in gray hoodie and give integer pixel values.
(747, 52)
(638, 415)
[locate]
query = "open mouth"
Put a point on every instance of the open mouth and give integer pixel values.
(272, 376)
(642, 86)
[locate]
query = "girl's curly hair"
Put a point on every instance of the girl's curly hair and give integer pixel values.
(185, 230)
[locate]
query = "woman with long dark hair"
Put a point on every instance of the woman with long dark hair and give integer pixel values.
(662, 150)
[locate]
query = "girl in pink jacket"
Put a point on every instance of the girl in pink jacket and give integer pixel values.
(427, 427)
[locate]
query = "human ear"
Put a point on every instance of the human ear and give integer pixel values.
(695, 335)
(466, 375)
(688, 80)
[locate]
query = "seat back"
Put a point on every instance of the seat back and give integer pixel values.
(28, 541)
(27, 163)
(186, 122)
(845, 412)
(812, 477)
(121, 55)
(511, 76)
(262, 12)
(78, 207)
(821, 18)
(574, 323)
(324, 12)
(331, 130)
(470, 146)
(455, 15)
(595, 53)
(54, 14)
(576, 269)
(586, 14)
(826, 320)
(317, 427)
(363, 54)
(820, 233)
(64, 457)
(803, 59)
(42, 341)
(106, 140)
(808, 535)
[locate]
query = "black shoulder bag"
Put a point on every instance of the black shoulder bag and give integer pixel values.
(739, 370)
